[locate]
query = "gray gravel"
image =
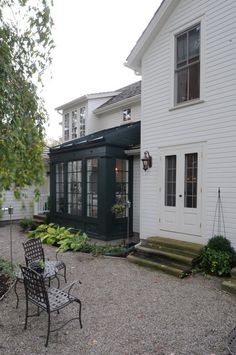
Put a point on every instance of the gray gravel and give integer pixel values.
(126, 309)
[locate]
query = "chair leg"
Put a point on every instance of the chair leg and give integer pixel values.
(80, 306)
(26, 314)
(17, 297)
(48, 332)
(65, 273)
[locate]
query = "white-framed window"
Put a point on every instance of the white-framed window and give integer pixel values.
(82, 122)
(66, 127)
(187, 64)
(74, 124)
(127, 114)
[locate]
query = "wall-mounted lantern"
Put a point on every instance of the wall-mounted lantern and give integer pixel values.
(147, 161)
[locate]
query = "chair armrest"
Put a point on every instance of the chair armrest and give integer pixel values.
(69, 287)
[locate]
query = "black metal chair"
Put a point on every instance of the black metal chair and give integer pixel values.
(34, 251)
(46, 299)
(231, 341)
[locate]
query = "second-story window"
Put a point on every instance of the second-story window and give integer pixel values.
(66, 127)
(187, 65)
(74, 124)
(127, 114)
(82, 122)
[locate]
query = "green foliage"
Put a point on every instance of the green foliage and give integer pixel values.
(220, 243)
(66, 240)
(6, 268)
(27, 224)
(25, 53)
(216, 262)
(218, 257)
(119, 207)
(76, 242)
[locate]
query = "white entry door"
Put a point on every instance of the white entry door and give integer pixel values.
(181, 189)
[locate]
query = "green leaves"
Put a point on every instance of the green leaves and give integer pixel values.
(25, 52)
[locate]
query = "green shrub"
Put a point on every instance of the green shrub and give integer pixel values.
(6, 268)
(75, 242)
(27, 224)
(66, 240)
(218, 257)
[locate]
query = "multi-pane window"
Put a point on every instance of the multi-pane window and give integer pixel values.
(75, 187)
(74, 124)
(122, 183)
(170, 180)
(66, 127)
(190, 181)
(82, 122)
(60, 195)
(127, 114)
(187, 65)
(92, 187)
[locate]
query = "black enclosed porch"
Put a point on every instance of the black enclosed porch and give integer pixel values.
(88, 176)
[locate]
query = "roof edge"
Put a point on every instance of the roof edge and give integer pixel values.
(121, 103)
(134, 59)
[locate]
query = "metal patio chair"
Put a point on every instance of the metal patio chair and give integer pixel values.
(231, 341)
(34, 251)
(46, 299)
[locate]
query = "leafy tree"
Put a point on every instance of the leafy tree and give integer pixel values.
(25, 52)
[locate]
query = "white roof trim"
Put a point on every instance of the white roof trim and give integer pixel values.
(122, 103)
(85, 98)
(134, 60)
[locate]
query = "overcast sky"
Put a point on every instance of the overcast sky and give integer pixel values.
(93, 39)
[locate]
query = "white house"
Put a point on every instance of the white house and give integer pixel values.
(187, 59)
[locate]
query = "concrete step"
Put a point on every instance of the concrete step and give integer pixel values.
(169, 255)
(229, 286)
(166, 253)
(233, 273)
(175, 270)
(185, 247)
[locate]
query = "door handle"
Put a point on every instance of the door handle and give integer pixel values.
(180, 195)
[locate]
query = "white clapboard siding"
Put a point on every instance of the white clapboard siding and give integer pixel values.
(115, 117)
(212, 121)
(22, 208)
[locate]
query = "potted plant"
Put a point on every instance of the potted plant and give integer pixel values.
(38, 266)
(119, 208)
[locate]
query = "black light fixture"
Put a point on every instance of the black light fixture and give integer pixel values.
(147, 161)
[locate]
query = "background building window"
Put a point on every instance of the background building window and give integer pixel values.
(60, 197)
(75, 188)
(127, 114)
(66, 127)
(82, 122)
(187, 67)
(74, 124)
(92, 187)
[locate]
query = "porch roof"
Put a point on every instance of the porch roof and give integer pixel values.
(125, 136)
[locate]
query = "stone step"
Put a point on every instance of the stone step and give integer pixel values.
(168, 254)
(171, 269)
(186, 247)
(233, 273)
(229, 286)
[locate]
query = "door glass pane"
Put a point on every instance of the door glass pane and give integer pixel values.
(190, 180)
(75, 187)
(170, 180)
(92, 189)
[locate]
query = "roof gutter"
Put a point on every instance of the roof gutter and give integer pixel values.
(122, 103)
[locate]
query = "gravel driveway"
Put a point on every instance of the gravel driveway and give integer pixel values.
(126, 309)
